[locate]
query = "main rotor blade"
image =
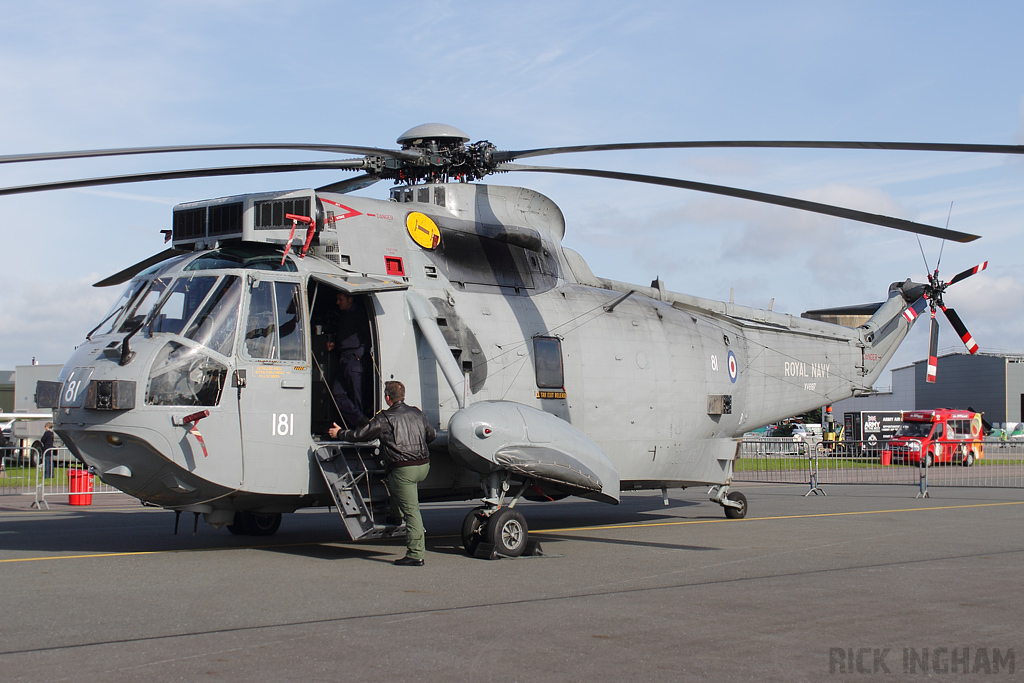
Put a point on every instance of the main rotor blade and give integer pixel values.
(131, 271)
(799, 144)
(349, 185)
(345, 164)
(933, 350)
(961, 329)
(779, 200)
(125, 151)
(967, 273)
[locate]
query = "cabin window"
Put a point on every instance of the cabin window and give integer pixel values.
(439, 196)
(547, 354)
(423, 195)
(273, 328)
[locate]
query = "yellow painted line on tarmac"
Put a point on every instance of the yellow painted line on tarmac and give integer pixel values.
(84, 557)
(765, 519)
(532, 531)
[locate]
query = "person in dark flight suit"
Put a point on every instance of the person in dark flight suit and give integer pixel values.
(350, 327)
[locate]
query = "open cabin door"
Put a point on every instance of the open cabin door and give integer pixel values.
(344, 339)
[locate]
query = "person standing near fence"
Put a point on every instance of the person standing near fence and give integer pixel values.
(47, 442)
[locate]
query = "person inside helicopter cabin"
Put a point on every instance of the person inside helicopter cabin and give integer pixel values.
(404, 432)
(347, 327)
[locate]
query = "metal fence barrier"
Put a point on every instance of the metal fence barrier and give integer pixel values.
(56, 472)
(997, 464)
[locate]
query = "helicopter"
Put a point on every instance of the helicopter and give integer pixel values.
(207, 386)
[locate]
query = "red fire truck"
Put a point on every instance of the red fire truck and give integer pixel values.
(933, 436)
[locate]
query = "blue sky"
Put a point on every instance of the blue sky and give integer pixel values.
(528, 74)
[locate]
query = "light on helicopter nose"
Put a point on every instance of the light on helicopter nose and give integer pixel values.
(114, 440)
(483, 431)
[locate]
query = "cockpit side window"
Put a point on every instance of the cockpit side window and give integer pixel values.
(289, 320)
(273, 328)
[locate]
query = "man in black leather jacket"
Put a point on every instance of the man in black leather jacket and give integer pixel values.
(404, 433)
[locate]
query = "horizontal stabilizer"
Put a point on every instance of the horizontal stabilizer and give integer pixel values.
(847, 316)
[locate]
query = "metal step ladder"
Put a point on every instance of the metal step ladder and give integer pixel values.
(356, 481)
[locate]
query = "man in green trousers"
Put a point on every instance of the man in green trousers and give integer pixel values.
(404, 433)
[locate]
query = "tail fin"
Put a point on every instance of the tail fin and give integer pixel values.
(889, 325)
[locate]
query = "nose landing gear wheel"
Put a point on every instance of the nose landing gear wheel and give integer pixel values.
(253, 524)
(740, 512)
(507, 530)
(473, 530)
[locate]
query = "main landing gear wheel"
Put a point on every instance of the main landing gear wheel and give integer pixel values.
(506, 529)
(473, 530)
(736, 513)
(255, 524)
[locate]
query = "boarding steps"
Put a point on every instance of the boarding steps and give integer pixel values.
(356, 480)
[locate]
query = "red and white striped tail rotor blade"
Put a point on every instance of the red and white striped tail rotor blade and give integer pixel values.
(933, 350)
(911, 312)
(969, 272)
(961, 329)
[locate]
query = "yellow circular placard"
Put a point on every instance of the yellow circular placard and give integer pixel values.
(423, 230)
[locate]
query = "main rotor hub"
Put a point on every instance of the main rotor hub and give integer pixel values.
(441, 135)
(444, 155)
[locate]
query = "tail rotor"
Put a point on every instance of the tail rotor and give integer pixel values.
(932, 297)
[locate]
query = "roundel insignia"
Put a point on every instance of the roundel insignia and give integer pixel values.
(423, 230)
(733, 372)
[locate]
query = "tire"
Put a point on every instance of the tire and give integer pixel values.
(473, 530)
(255, 524)
(507, 530)
(929, 460)
(968, 458)
(740, 512)
(236, 526)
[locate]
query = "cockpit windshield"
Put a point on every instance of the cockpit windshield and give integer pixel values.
(215, 325)
(179, 304)
(143, 305)
(126, 299)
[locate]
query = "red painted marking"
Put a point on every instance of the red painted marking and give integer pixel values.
(199, 437)
(393, 265)
(349, 211)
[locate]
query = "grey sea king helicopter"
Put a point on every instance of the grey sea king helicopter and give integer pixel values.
(205, 388)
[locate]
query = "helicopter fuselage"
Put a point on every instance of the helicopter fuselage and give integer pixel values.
(207, 388)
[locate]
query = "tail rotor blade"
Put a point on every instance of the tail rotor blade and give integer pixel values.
(916, 309)
(967, 273)
(933, 350)
(961, 329)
